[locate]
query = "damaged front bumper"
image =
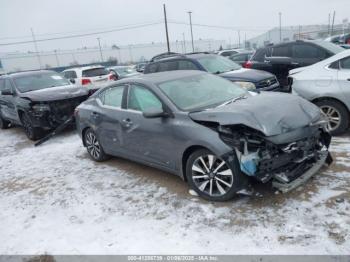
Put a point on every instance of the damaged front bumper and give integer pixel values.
(284, 186)
(287, 160)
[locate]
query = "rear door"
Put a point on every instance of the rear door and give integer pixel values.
(344, 79)
(281, 70)
(305, 54)
(107, 118)
(147, 139)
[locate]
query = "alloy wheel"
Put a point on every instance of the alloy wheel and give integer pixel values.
(333, 117)
(211, 175)
(92, 145)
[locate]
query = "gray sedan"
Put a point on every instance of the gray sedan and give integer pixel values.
(209, 131)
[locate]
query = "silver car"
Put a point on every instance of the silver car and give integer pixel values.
(327, 84)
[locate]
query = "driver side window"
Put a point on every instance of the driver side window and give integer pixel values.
(141, 99)
(345, 63)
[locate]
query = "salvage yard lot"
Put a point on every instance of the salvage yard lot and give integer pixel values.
(54, 199)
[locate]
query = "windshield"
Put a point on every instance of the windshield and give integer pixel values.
(39, 81)
(125, 70)
(101, 71)
(218, 64)
(335, 49)
(200, 92)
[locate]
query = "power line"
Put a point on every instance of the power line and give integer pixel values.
(77, 31)
(81, 35)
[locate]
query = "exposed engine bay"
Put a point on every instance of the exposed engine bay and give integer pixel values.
(283, 159)
(53, 113)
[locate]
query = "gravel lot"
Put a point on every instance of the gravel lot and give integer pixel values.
(54, 199)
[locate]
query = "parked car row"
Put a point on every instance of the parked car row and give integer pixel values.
(200, 116)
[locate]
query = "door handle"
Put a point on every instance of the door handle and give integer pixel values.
(94, 114)
(127, 122)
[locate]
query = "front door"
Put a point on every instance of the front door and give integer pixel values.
(148, 139)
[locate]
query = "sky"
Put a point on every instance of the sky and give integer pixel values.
(66, 17)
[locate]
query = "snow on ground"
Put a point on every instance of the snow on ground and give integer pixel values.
(54, 199)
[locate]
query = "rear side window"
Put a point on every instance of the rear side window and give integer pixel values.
(242, 57)
(112, 96)
(70, 74)
(186, 65)
(151, 68)
(260, 54)
(168, 66)
(345, 63)
(307, 51)
(95, 72)
(281, 51)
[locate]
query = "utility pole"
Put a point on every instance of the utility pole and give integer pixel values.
(329, 24)
(36, 48)
(99, 44)
(166, 28)
(190, 14)
(332, 28)
(239, 38)
(58, 63)
(183, 36)
(280, 18)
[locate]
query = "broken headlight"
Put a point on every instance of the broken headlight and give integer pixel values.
(41, 107)
(246, 85)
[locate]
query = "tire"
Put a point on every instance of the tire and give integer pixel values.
(213, 179)
(94, 147)
(4, 124)
(337, 115)
(33, 133)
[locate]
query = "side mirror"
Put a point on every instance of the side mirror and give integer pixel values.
(72, 80)
(279, 60)
(7, 92)
(154, 113)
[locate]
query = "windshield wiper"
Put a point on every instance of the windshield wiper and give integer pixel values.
(233, 100)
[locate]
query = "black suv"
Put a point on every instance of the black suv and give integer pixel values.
(280, 58)
(224, 67)
(38, 101)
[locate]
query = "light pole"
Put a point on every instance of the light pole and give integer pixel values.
(183, 36)
(99, 44)
(58, 63)
(280, 18)
(36, 48)
(166, 29)
(190, 14)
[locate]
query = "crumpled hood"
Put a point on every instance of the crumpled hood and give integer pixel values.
(244, 74)
(56, 93)
(270, 113)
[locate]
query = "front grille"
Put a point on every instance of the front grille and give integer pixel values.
(266, 82)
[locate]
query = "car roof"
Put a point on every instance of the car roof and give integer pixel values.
(82, 68)
(156, 78)
(185, 56)
(28, 73)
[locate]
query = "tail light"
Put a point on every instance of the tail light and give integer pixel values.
(113, 77)
(85, 81)
(248, 64)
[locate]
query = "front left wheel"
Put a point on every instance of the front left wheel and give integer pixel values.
(94, 147)
(212, 177)
(4, 124)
